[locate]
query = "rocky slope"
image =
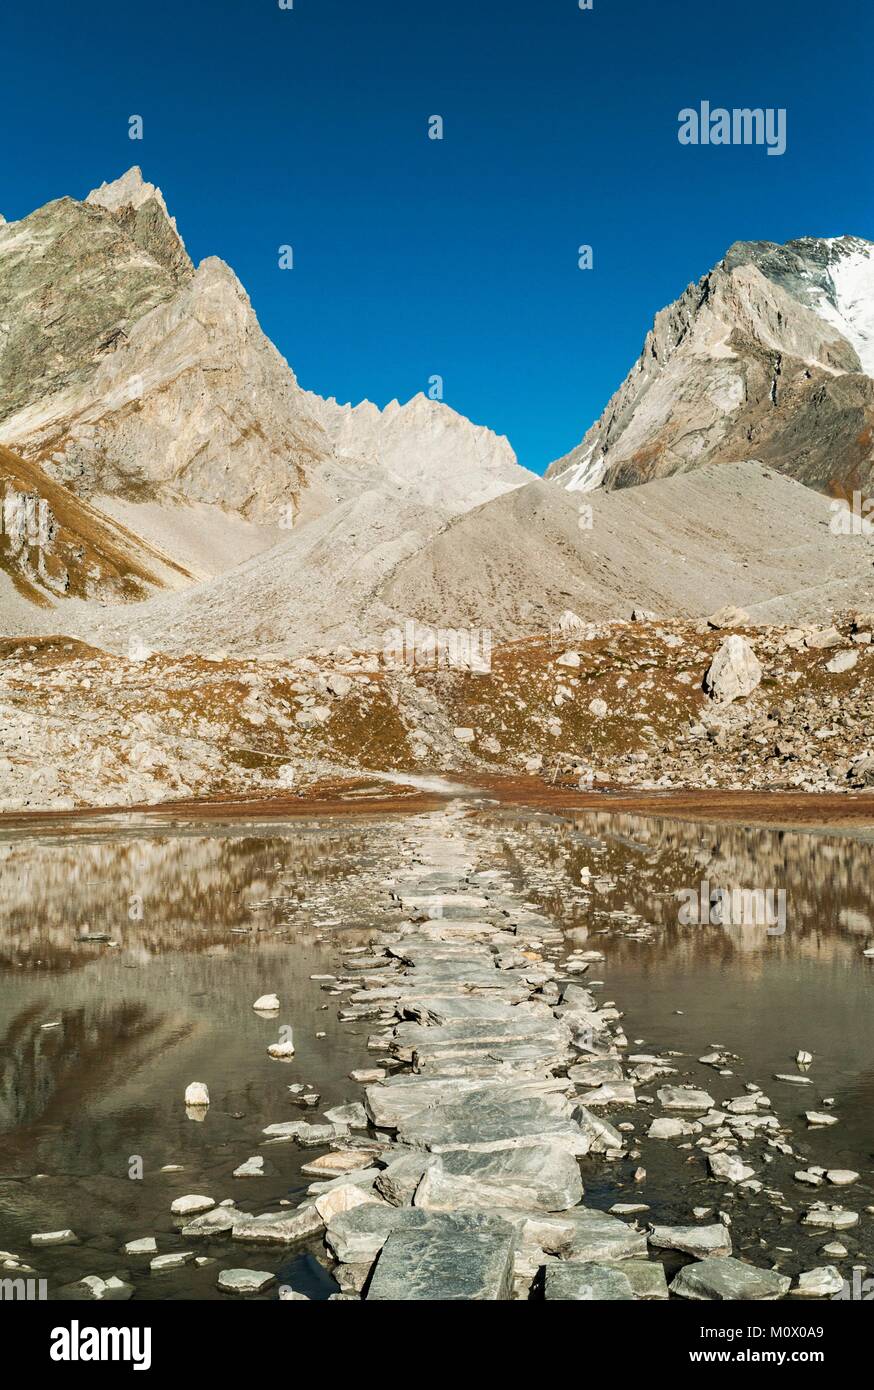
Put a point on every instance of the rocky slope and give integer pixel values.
(54, 545)
(769, 357)
(677, 547)
(620, 702)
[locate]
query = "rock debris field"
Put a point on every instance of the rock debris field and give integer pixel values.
(497, 1090)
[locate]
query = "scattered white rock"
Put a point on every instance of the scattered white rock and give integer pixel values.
(44, 1239)
(161, 1263)
(842, 661)
(147, 1246)
(245, 1281)
(729, 1168)
(820, 1283)
(252, 1168)
(191, 1205)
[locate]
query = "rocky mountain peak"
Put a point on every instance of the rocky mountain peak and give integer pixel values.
(425, 447)
(140, 208)
(130, 190)
(769, 356)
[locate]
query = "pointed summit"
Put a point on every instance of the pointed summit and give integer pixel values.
(131, 190)
(140, 208)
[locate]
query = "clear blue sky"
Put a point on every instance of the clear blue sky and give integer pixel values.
(415, 257)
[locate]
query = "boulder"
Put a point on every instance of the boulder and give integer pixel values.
(728, 616)
(734, 672)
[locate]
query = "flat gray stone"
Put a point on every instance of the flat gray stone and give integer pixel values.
(597, 1072)
(729, 1168)
(584, 1280)
(279, 1228)
(147, 1245)
(494, 1122)
(399, 1097)
(583, 1234)
(398, 1181)
(41, 1240)
(477, 1032)
(824, 1282)
(538, 1175)
(434, 1007)
(599, 1236)
(357, 1236)
(700, 1241)
(684, 1098)
(727, 1278)
(245, 1281)
(212, 1223)
(445, 1266)
(647, 1278)
(351, 1116)
(610, 1093)
(830, 1218)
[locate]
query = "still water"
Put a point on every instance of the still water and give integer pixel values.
(131, 954)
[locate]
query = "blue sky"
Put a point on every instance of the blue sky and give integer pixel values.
(415, 257)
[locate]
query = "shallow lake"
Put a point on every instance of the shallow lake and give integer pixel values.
(131, 952)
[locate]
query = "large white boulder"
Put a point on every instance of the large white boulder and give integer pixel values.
(734, 672)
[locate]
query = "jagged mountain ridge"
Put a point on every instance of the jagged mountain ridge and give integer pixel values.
(160, 398)
(769, 356)
(159, 383)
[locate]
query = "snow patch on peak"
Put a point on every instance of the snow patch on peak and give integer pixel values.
(852, 274)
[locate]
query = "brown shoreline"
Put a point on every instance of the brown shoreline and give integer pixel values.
(778, 809)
